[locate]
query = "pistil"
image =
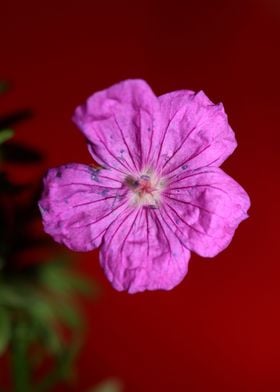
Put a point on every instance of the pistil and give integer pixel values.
(145, 189)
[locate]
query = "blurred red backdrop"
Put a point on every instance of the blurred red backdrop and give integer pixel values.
(219, 329)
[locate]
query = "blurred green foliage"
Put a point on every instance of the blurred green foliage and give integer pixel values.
(108, 386)
(40, 319)
(5, 135)
(3, 86)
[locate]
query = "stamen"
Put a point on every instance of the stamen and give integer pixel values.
(145, 189)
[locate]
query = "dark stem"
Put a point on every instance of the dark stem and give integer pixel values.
(20, 365)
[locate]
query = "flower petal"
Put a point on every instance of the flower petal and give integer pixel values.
(196, 132)
(119, 124)
(205, 206)
(79, 203)
(140, 252)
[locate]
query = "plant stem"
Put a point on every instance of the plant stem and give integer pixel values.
(20, 365)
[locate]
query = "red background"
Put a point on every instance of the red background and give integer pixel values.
(219, 329)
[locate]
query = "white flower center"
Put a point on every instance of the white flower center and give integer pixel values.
(145, 189)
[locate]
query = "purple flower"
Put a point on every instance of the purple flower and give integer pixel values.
(158, 193)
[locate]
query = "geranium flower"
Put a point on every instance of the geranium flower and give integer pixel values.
(158, 192)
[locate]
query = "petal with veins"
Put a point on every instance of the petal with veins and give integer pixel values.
(205, 207)
(140, 252)
(120, 124)
(195, 133)
(79, 203)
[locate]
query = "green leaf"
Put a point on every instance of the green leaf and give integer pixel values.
(108, 386)
(6, 186)
(5, 135)
(18, 153)
(68, 315)
(41, 309)
(48, 336)
(60, 279)
(9, 120)
(20, 364)
(5, 330)
(10, 296)
(63, 367)
(42, 319)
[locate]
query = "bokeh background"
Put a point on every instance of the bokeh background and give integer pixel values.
(219, 329)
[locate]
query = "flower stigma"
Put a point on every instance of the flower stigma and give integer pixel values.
(145, 189)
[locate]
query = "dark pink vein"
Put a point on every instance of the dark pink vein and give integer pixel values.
(103, 231)
(197, 186)
(192, 175)
(187, 224)
(117, 229)
(193, 205)
(129, 231)
(116, 158)
(125, 142)
(170, 228)
(139, 137)
(215, 160)
(148, 232)
(105, 163)
(101, 218)
(164, 135)
(93, 201)
(89, 185)
(179, 148)
(163, 231)
(195, 155)
(90, 168)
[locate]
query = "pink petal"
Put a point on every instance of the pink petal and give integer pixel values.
(204, 207)
(196, 132)
(140, 252)
(119, 123)
(79, 203)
